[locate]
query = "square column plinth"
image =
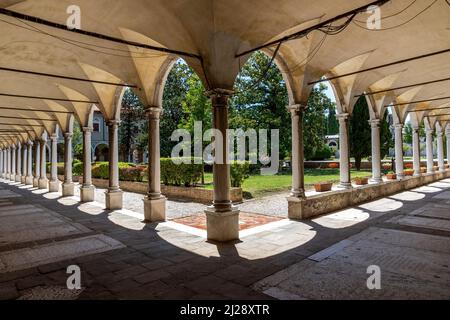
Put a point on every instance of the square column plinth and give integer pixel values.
(68, 189)
(155, 209)
(114, 199)
(87, 194)
(53, 186)
(43, 184)
(222, 226)
(36, 182)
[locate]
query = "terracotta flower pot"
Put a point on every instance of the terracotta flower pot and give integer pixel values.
(423, 170)
(409, 173)
(391, 176)
(447, 166)
(323, 187)
(361, 181)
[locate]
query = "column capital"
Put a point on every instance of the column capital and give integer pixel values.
(399, 126)
(43, 140)
(343, 116)
(447, 132)
(88, 129)
(68, 135)
(429, 131)
(113, 123)
(13, 147)
(296, 108)
(30, 143)
(219, 93)
(154, 113)
(375, 123)
(54, 137)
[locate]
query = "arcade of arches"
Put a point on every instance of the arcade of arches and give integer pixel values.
(48, 82)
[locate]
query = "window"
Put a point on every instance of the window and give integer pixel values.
(96, 127)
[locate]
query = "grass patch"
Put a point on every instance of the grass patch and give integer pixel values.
(258, 186)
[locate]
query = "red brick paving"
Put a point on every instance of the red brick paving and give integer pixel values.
(246, 220)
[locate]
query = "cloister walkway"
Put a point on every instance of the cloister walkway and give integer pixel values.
(407, 235)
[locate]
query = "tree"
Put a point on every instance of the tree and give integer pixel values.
(77, 141)
(133, 120)
(386, 136)
(332, 122)
(315, 121)
(360, 132)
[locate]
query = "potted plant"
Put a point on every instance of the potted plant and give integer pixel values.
(391, 175)
(447, 166)
(435, 168)
(323, 186)
(409, 172)
(423, 170)
(361, 181)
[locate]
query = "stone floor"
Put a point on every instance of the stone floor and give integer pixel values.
(407, 235)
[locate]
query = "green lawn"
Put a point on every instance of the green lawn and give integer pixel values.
(258, 185)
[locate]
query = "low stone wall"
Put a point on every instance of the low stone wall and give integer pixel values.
(365, 165)
(337, 200)
(172, 192)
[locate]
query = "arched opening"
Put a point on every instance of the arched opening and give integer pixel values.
(101, 153)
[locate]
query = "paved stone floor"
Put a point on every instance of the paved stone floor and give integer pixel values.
(407, 235)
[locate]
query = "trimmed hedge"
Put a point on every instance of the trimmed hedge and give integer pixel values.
(240, 171)
(100, 170)
(183, 174)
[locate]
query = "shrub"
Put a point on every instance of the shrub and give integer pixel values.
(240, 171)
(100, 170)
(387, 166)
(77, 169)
(323, 153)
(187, 174)
(131, 174)
(409, 166)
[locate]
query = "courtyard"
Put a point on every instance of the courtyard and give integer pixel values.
(222, 150)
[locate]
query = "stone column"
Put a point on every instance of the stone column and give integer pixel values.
(12, 176)
(53, 184)
(447, 135)
(399, 165)
(344, 151)
(440, 150)
(9, 165)
(1, 163)
(114, 196)
(430, 156)
(19, 162)
(23, 179)
(68, 188)
(43, 181)
(298, 179)
(29, 179)
(87, 190)
(154, 203)
(222, 217)
(37, 164)
(416, 151)
(376, 151)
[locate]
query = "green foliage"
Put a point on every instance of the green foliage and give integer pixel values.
(174, 97)
(131, 174)
(360, 132)
(332, 122)
(100, 170)
(386, 137)
(77, 142)
(323, 153)
(133, 121)
(315, 120)
(183, 174)
(77, 169)
(239, 172)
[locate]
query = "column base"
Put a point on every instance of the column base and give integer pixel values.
(68, 189)
(29, 181)
(12, 177)
(295, 208)
(53, 186)
(18, 178)
(222, 226)
(376, 180)
(43, 183)
(401, 176)
(87, 193)
(345, 185)
(23, 180)
(155, 209)
(36, 182)
(114, 199)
